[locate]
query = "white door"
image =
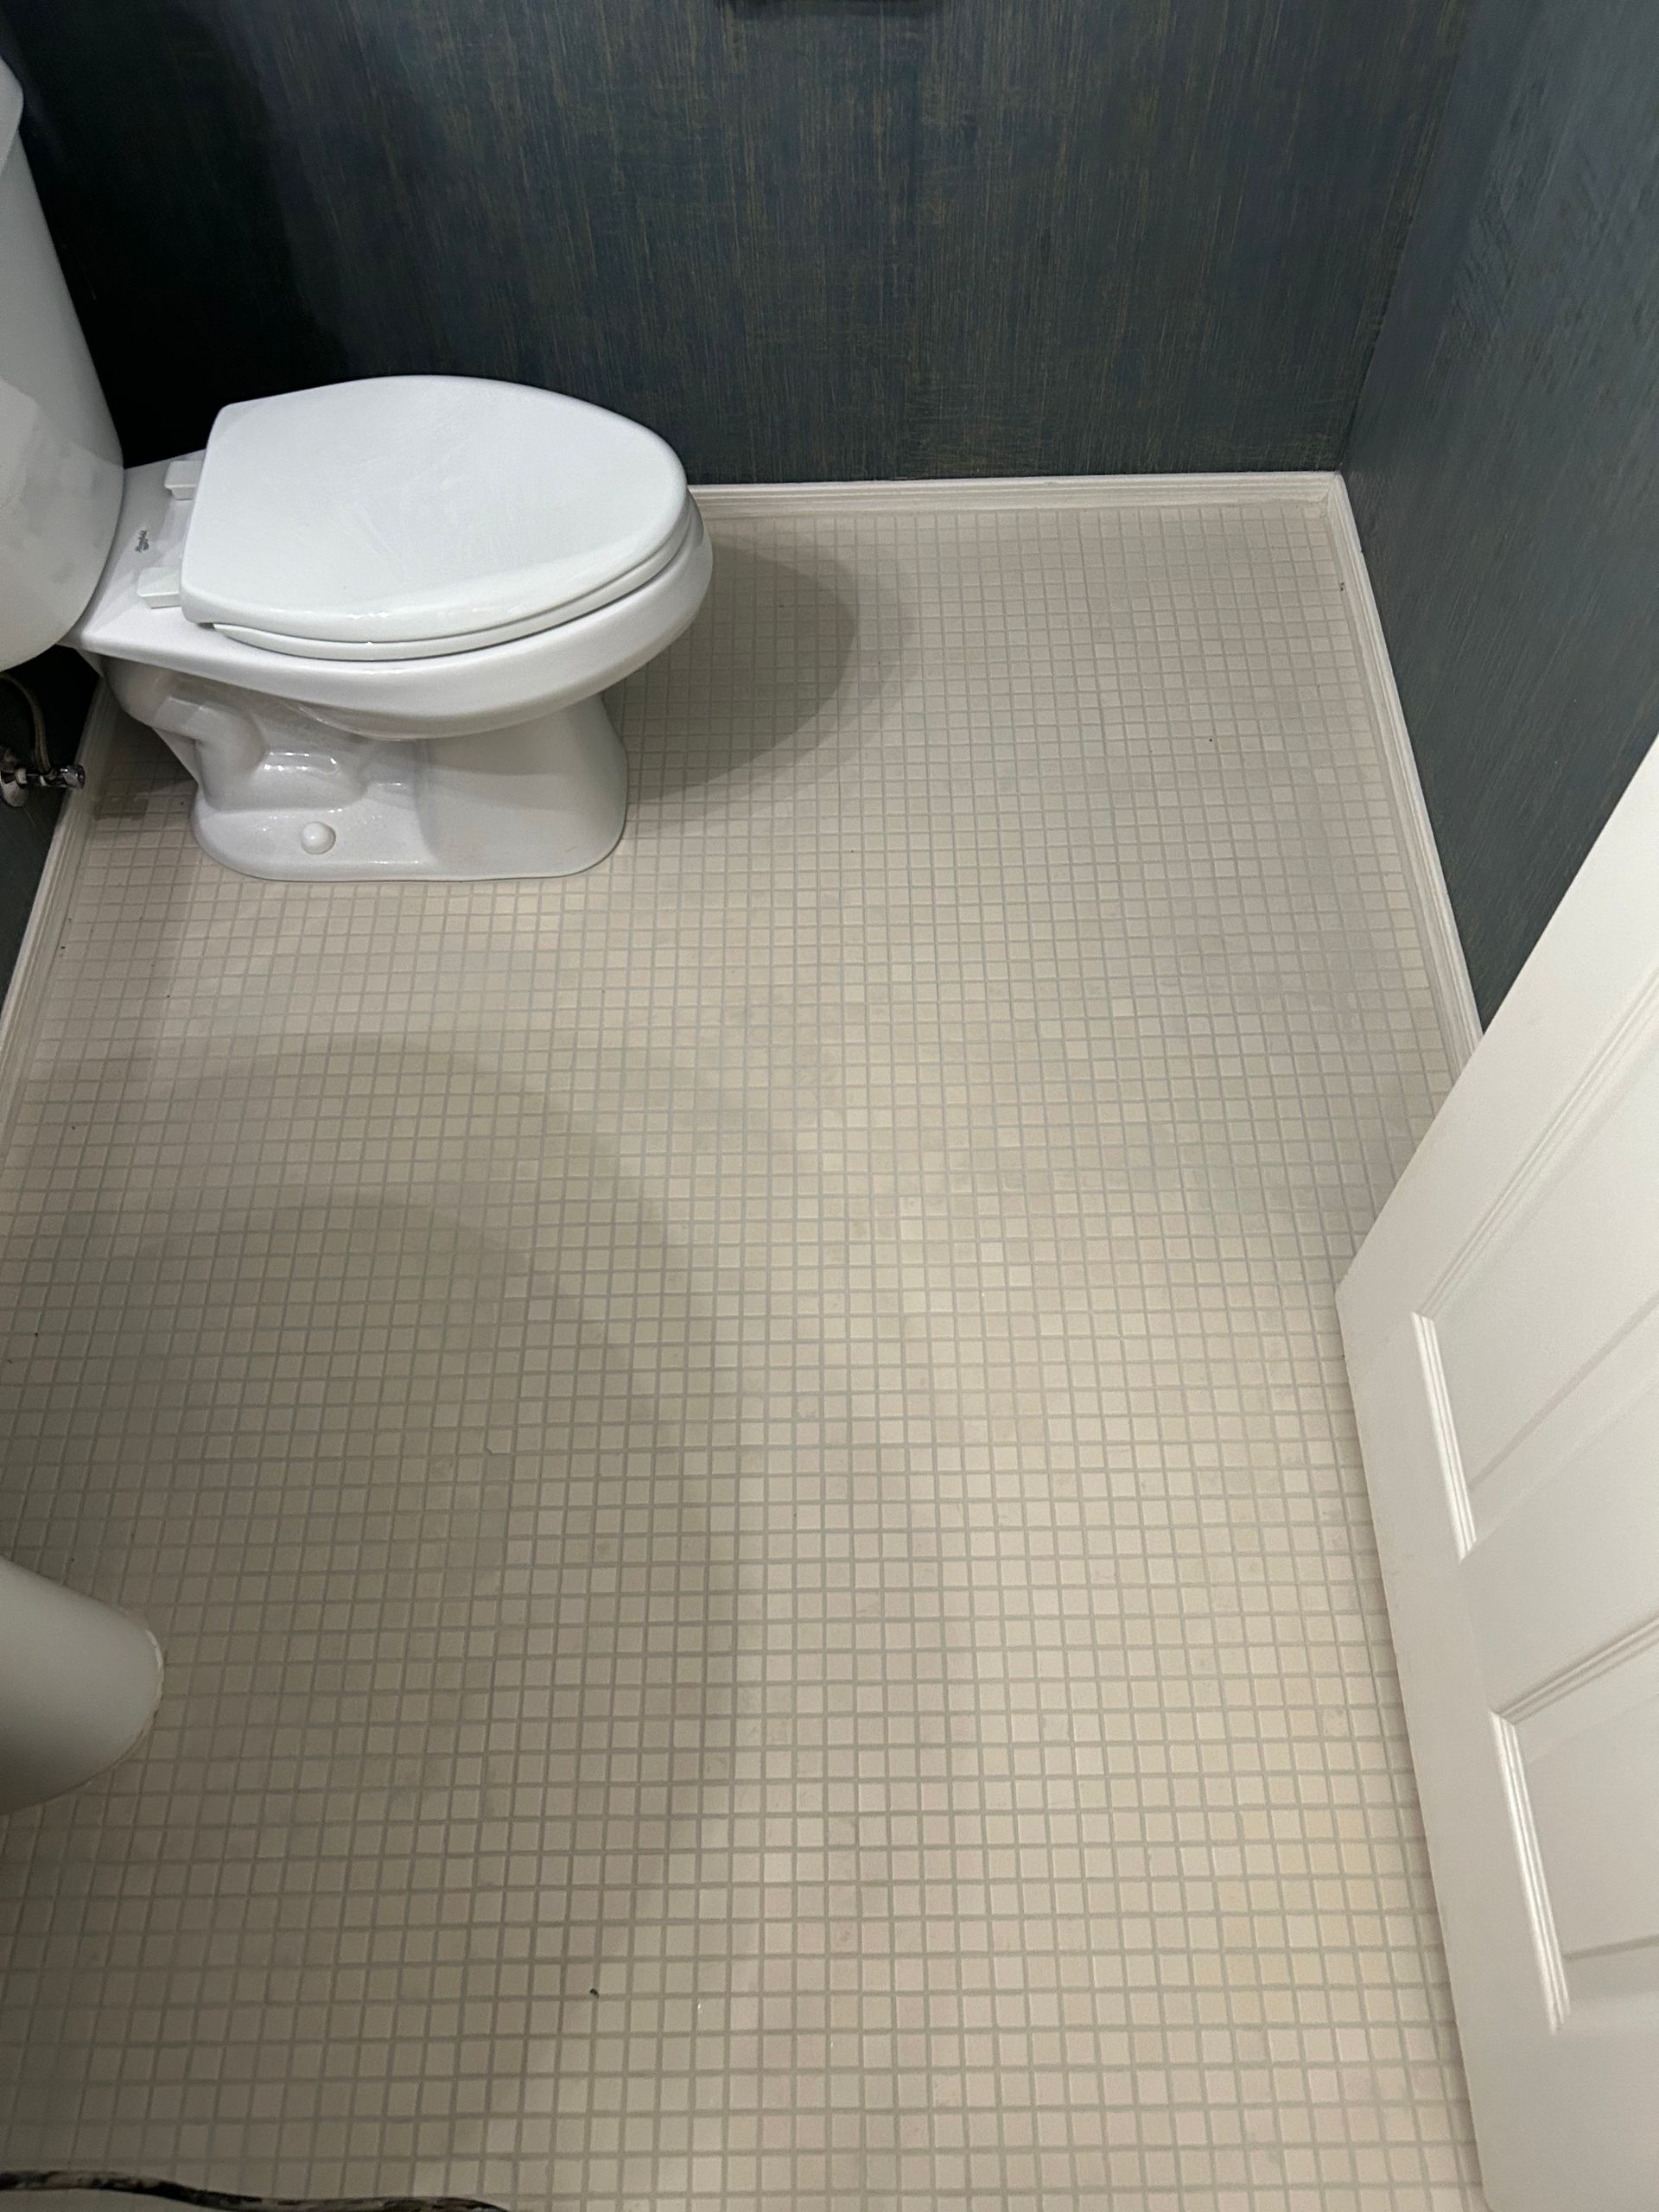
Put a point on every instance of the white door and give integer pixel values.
(1502, 1329)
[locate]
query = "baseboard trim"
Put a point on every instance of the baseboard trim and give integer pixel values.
(31, 977)
(1305, 487)
(1455, 997)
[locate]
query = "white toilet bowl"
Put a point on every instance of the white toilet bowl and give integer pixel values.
(79, 1685)
(373, 619)
(377, 635)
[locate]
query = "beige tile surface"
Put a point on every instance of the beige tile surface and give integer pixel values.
(742, 1462)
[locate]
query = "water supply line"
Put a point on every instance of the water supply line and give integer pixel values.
(18, 777)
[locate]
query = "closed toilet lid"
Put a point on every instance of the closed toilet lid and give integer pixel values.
(408, 511)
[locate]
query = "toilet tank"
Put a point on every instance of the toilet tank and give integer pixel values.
(60, 462)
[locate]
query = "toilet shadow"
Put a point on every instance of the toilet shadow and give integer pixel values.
(760, 683)
(425, 1470)
(478, 1445)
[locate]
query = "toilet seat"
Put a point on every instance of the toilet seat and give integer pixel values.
(472, 640)
(401, 696)
(402, 518)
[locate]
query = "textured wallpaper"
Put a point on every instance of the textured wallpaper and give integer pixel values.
(801, 237)
(1504, 466)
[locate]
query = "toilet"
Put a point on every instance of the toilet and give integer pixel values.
(374, 619)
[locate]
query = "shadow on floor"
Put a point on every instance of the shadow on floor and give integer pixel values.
(461, 1666)
(782, 631)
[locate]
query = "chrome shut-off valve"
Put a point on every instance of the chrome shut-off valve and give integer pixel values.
(18, 778)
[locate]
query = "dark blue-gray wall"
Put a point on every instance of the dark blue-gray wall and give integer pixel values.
(802, 238)
(1504, 464)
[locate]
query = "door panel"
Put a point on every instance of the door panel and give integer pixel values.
(1502, 1328)
(1588, 1532)
(1562, 1272)
(1587, 1754)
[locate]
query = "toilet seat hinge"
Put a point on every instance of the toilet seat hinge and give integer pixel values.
(161, 585)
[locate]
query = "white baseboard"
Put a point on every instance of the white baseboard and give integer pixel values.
(31, 975)
(1448, 971)
(1309, 487)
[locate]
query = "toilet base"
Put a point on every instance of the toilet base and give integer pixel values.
(289, 797)
(548, 797)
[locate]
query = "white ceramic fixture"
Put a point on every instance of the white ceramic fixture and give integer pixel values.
(373, 620)
(79, 1682)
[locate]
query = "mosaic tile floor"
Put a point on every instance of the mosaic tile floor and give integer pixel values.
(742, 1462)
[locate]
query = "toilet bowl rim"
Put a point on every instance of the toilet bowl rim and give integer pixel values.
(487, 687)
